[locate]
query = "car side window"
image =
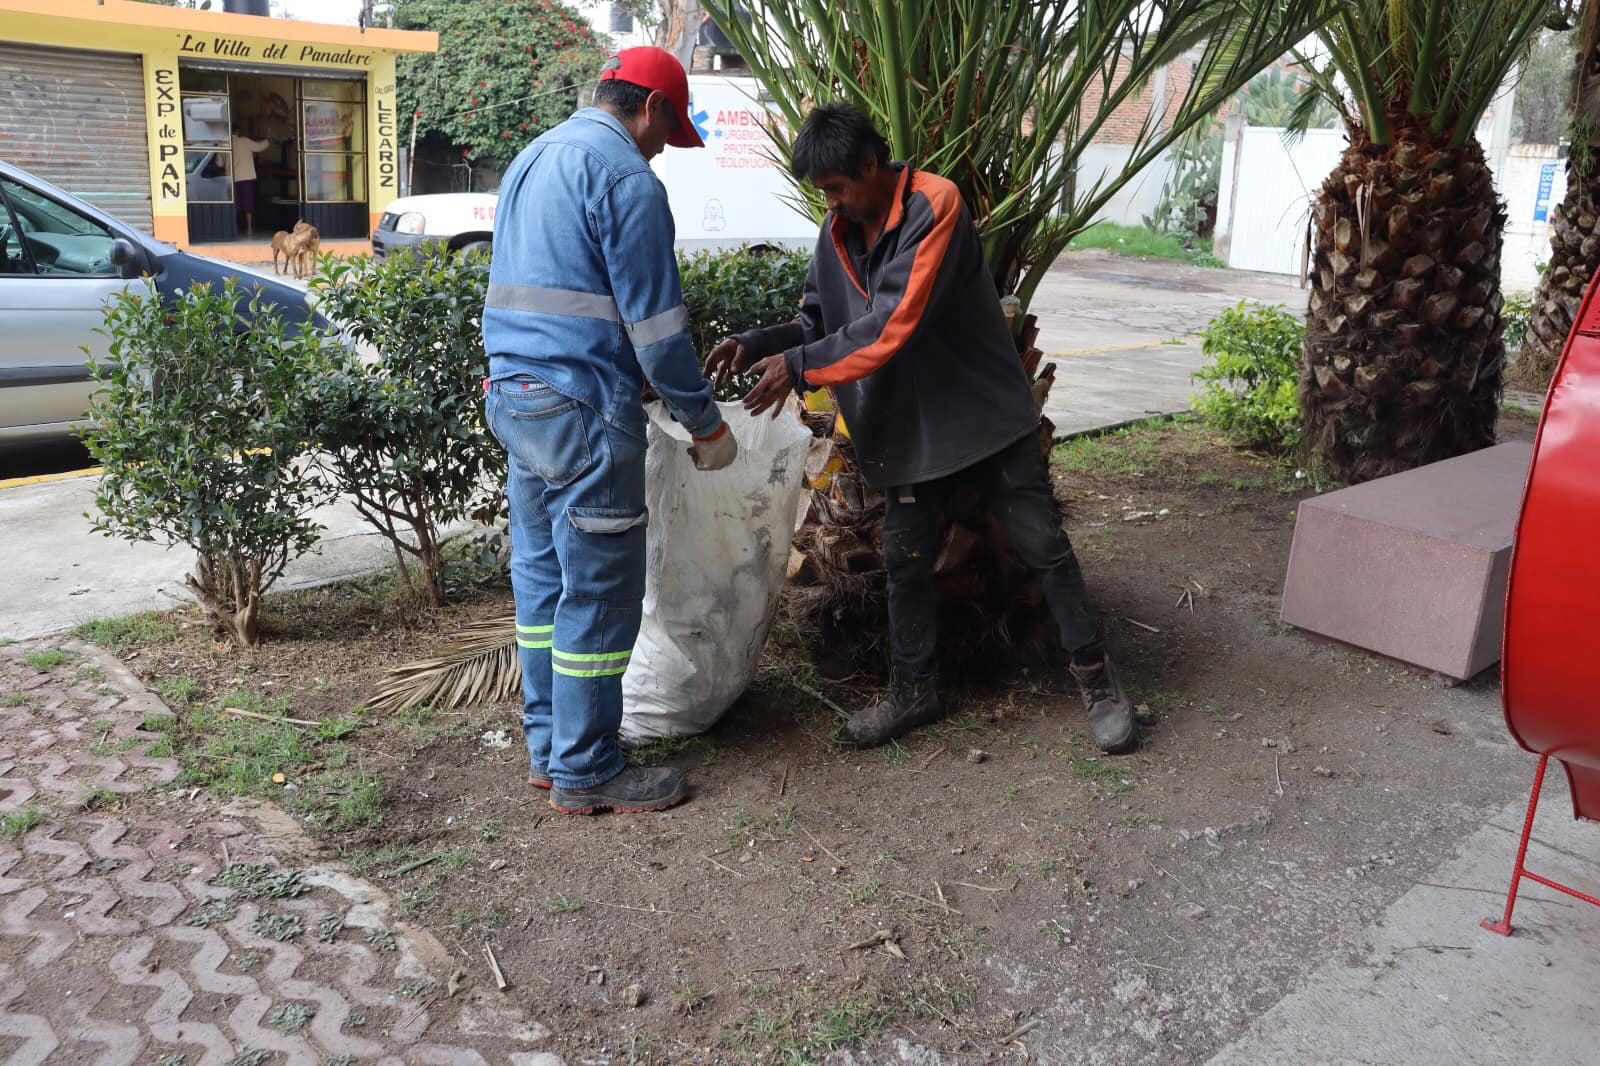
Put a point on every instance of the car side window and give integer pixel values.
(13, 258)
(62, 242)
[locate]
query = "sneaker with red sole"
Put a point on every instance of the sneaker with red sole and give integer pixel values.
(538, 780)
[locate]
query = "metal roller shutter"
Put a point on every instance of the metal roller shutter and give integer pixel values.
(76, 119)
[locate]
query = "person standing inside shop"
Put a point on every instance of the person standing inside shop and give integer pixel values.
(244, 177)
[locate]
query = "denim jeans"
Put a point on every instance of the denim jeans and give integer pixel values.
(576, 492)
(1015, 485)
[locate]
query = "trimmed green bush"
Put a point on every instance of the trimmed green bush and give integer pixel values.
(731, 291)
(1251, 382)
(201, 423)
(400, 428)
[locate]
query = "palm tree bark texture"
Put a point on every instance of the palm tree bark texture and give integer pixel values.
(1403, 358)
(1574, 225)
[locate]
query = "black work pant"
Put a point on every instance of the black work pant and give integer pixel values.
(1015, 485)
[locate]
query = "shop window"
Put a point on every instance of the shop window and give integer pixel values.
(335, 127)
(349, 92)
(207, 174)
(334, 177)
(206, 120)
(61, 241)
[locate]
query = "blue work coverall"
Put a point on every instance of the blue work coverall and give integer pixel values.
(584, 304)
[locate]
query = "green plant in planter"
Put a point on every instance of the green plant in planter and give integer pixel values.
(200, 424)
(1251, 384)
(401, 433)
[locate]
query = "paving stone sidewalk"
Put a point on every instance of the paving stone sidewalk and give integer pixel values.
(117, 945)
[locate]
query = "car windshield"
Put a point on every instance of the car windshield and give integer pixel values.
(47, 215)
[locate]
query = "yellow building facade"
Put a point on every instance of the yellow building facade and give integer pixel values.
(150, 112)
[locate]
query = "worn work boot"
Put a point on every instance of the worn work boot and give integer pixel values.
(635, 790)
(1111, 724)
(540, 779)
(905, 708)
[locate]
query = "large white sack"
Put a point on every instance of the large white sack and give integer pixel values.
(717, 556)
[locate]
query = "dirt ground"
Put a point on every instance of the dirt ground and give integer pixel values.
(990, 889)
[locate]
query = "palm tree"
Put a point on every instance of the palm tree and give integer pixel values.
(1575, 223)
(1403, 357)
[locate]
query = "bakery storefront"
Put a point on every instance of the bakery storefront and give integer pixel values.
(207, 129)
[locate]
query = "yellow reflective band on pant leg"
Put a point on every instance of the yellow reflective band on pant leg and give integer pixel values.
(534, 636)
(589, 664)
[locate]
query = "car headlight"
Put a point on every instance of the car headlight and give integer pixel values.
(410, 222)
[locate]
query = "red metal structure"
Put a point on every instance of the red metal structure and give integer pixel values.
(1550, 664)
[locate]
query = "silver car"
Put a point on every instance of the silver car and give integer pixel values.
(60, 259)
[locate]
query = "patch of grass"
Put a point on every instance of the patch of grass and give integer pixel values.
(489, 829)
(560, 904)
(178, 691)
(1139, 820)
(1106, 777)
(338, 728)
(88, 672)
(658, 751)
(291, 1017)
(233, 755)
(1142, 243)
(250, 1056)
(895, 754)
(1144, 449)
(370, 860)
(863, 892)
(957, 726)
(17, 699)
(14, 825)
(853, 1020)
(478, 919)
(113, 747)
(749, 827)
(100, 798)
(340, 797)
(413, 900)
(46, 659)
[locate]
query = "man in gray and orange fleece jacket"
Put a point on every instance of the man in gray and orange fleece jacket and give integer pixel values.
(901, 319)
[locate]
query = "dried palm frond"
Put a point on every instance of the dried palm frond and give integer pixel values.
(478, 666)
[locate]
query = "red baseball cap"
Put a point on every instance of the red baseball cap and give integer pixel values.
(659, 69)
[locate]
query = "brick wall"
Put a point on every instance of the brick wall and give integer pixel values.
(1131, 116)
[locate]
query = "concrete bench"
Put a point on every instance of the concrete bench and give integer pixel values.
(1412, 566)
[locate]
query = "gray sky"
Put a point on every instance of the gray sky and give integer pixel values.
(344, 11)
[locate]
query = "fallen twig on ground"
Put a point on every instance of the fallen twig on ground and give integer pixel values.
(494, 967)
(1141, 625)
(837, 861)
(270, 717)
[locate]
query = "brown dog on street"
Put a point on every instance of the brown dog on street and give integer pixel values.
(303, 246)
(281, 246)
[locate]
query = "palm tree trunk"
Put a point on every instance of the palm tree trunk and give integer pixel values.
(1574, 255)
(1403, 358)
(1575, 229)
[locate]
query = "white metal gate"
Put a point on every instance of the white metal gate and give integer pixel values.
(1273, 188)
(76, 119)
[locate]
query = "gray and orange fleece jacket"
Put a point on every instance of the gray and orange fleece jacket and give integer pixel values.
(910, 336)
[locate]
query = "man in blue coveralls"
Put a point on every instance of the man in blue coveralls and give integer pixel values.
(584, 304)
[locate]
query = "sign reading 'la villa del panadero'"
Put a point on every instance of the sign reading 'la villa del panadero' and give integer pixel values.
(236, 48)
